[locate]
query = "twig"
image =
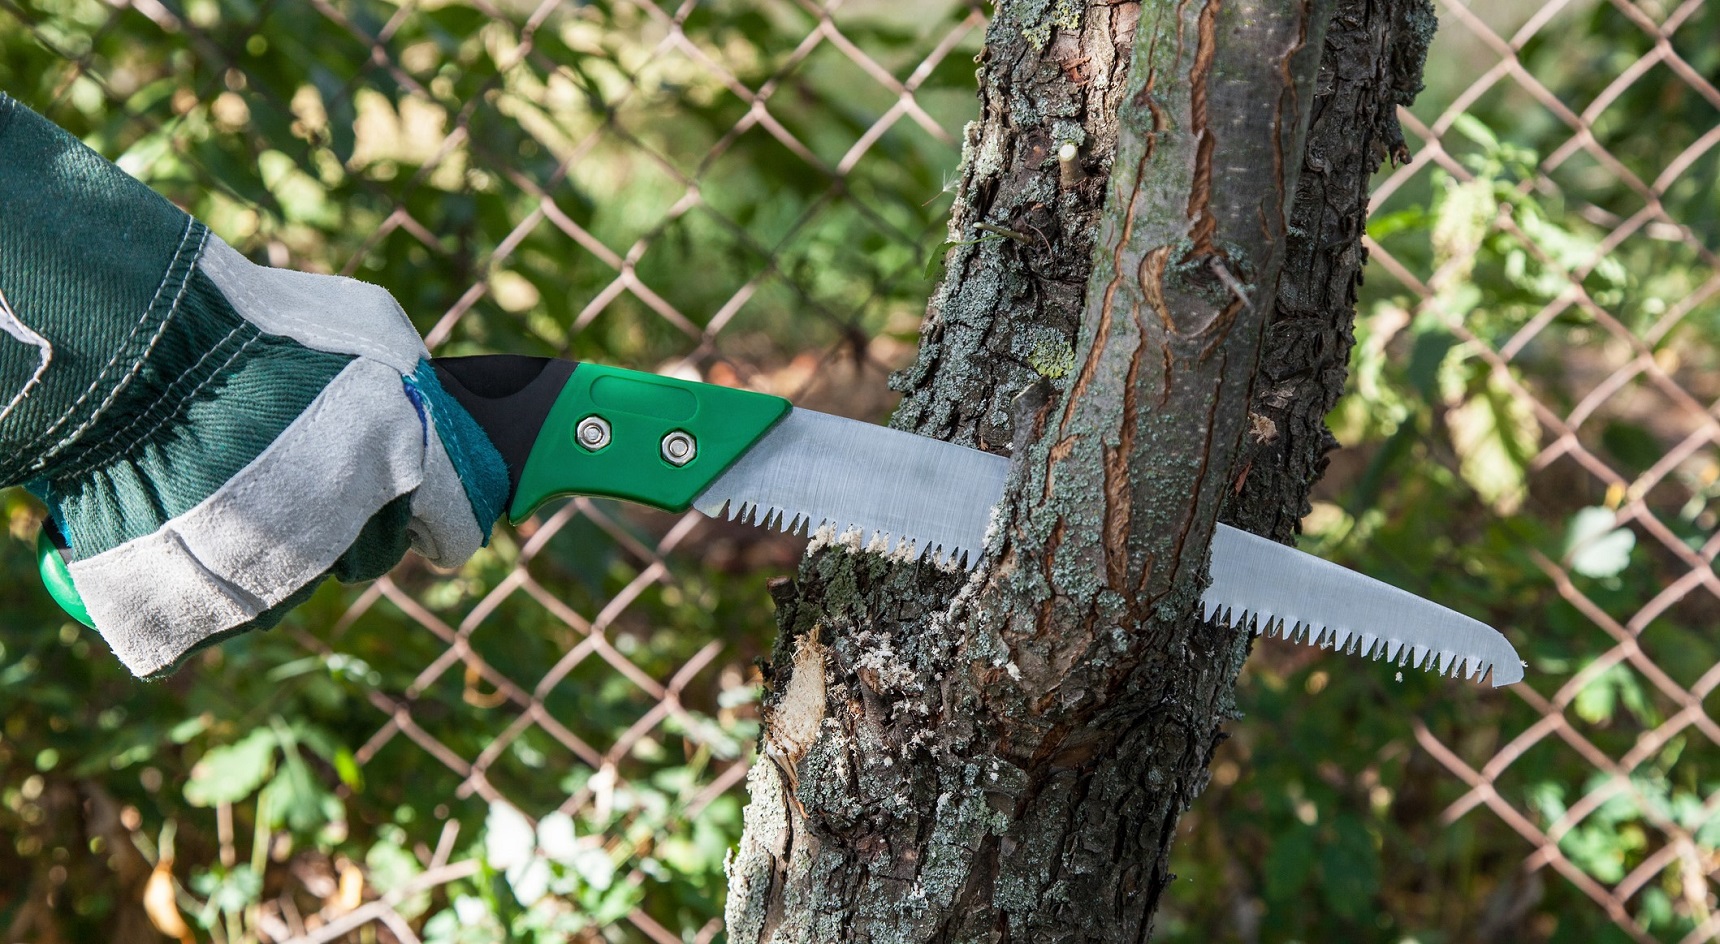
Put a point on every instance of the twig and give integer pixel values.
(1236, 288)
(379, 909)
(1021, 238)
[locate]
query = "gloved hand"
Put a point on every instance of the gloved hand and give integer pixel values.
(212, 437)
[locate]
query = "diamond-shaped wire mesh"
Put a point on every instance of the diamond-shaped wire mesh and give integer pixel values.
(741, 193)
(1623, 367)
(747, 193)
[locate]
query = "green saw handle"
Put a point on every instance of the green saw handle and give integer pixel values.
(667, 439)
(570, 428)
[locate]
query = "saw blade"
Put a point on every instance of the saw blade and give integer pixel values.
(1280, 591)
(905, 494)
(900, 493)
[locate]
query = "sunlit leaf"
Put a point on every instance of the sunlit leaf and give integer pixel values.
(530, 880)
(508, 836)
(1462, 216)
(555, 837)
(1495, 434)
(234, 771)
(595, 867)
(1596, 700)
(1594, 547)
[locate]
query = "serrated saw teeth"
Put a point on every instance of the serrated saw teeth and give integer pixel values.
(835, 531)
(1279, 591)
(863, 486)
(1378, 648)
(1349, 642)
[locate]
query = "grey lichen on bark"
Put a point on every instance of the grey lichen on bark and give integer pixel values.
(1004, 756)
(1053, 73)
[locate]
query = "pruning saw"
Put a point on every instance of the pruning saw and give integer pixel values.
(569, 428)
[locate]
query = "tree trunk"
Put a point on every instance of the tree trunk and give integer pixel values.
(1003, 756)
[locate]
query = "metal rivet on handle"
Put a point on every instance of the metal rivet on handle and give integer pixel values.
(679, 448)
(592, 433)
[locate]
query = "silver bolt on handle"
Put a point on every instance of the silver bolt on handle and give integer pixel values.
(679, 448)
(592, 433)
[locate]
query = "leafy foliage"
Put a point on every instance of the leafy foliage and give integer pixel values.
(501, 191)
(1329, 818)
(607, 192)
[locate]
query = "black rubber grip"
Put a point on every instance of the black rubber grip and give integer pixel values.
(510, 396)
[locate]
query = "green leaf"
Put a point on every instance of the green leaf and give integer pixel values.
(935, 264)
(935, 261)
(1601, 850)
(189, 728)
(1409, 219)
(682, 855)
(1477, 131)
(471, 920)
(1290, 864)
(389, 867)
(1634, 447)
(1495, 434)
(613, 903)
(346, 767)
(1547, 798)
(1350, 868)
(1428, 353)
(294, 798)
(234, 771)
(1462, 217)
(1597, 700)
(301, 197)
(229, 890)
(1594, 547)
(1708, 833)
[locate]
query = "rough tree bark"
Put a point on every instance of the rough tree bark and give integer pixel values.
(1004, 756)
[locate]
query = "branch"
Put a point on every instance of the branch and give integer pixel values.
(1121, 489)
(380, 909)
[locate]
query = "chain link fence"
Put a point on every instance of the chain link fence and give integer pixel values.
(748, 193)
(1646, 364)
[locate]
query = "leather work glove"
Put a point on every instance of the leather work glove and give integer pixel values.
(211, 437)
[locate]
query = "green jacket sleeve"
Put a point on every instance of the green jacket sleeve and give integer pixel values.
(211, 437)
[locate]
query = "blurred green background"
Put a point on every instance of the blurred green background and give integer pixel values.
(549, 745)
